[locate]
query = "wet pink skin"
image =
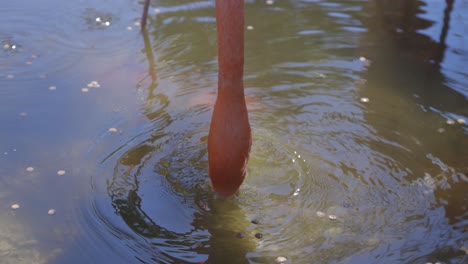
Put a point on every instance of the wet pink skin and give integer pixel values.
(230, 138)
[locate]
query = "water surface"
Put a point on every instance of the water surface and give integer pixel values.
(359, 114)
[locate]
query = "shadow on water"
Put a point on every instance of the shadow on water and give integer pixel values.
(404, 75)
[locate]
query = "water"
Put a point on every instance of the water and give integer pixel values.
(358, 108)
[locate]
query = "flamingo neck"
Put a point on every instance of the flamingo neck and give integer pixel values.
(230, 26)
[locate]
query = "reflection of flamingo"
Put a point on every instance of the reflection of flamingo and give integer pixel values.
(230, 137)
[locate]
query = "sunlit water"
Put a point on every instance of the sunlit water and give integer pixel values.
(359, 114)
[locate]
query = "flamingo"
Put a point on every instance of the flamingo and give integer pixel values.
(230, 136)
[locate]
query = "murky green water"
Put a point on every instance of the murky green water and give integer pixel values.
(359, 111)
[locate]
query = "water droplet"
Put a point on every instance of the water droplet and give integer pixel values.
(364, 99)
(137, 24)
(250, 27)
(29, 169)
(461, 121)
(61, 172)
(129, 28)
(293, 160)
(332, 217)
(362, 58)
(84, 90)
(15, 206)
(52, 88)
(112, 129)
(13, 46)
(107, 23)
(98, 19)
(51, 212)
(157, 10)
(269, 2)
(450, 122)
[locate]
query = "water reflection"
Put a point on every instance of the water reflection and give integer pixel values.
(318, 149)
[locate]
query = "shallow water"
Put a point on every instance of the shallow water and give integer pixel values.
(358, 108)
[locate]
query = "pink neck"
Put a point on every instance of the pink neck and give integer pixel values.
(230, 25)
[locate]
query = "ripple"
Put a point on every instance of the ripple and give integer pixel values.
(153, 184)
(37, 42)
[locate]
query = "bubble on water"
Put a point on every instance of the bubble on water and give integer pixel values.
(362, 58)
(321, 75)
(157, 10)
(281, 259)
(52, 88)
(6, 46)
(98, 19)
(10, 76)
(269, 2)
(15, 206)
(450, 122)
(28, 62)
(258, 235)
(332, 217)
(85, 90)
(23, 114)
(250, 27)
(461, 121)
(29, 169)
(320, 214)
(94, 84)
(129, 28)
(107, 23)
(61, 172)
(137, 23)
(296, 193)
(293, 160)
(364, 99)
(13, 46)
(43, 76)
(441, 130)
(112, 129)
(34, 56)
(51, 212)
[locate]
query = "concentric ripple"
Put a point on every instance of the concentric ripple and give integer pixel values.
(153, 184)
